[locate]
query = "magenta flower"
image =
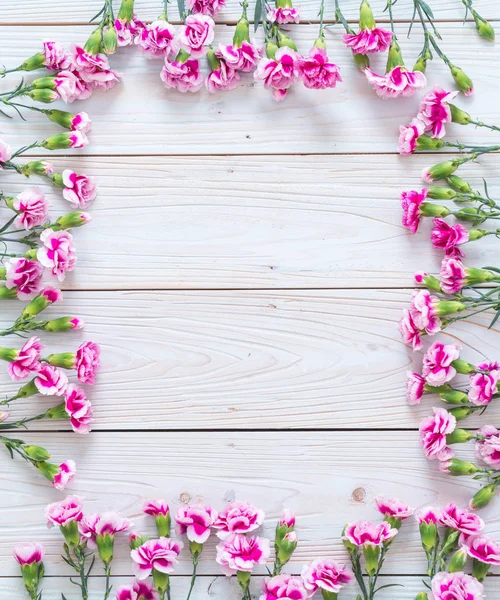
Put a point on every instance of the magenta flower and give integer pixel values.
(393, 508)
(32, 208)
(93, 70)
(415, 387)
(424, 312)
(156, 508)
(460, 519)
(363, 533)
(87, 362)
(408, 137)
(80, 190)
(456, 586)
(182, 76)
(482, 387)
(287, 587)
(488, 447)
(24, 275)
(241, 553)
(438, 363)
(449, 237)
(58, 252)
(238, 517)
(453, 275)
(368, 41)
(155, 40)
(316, 70)
(64, 512)
(398, 82)
(78, 408)
(160, 554)
(278, 73)
(435, 111)
(56, 57)
(50, 381)
(224, 78)
(410, 203)
(433, 432)
(283, 15)
(27, 360)
(197, 34)
(244, 58)
(28, 554)
(287, 519)
(5, 152)
(325, 574)
(140, 590)
(65, 474)
(94, 526)
(195, 521)
(206, 7)
(483, 549)
(428, 515)
(127, 31)
(70, 87)
(411, 334)
(81, 122)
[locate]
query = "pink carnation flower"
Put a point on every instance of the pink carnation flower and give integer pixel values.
(78, 408)
(393, 508)
(238, 517)
(398, 82)
(140, 590)
(408, 137)
(437, 363)
(456, 586)
(56, 57)
(424, 312)
(32, 208)
(160, 554)
(197, 34)
(25, 275)
(28, 554)
(206, 7)
(127, 31)
(109, 523)
(156, 508)
(449, 236)
(368, 41)
(287, 519)
(27, 360)
(283, 15)
(278, 73)
(411, 334)
(182, 76)
(325, 574)
(70, 87)
(58, 252)
(87, 362)
(51, 381)
(460, 519)
(64, 512)
(287, 587)
(435, 111)
(65, 475)
(453, 275)
(241, 553)
(81, 122)
(94, 70)
(224, 78)
(5, 153)
(243, 59)
(363, 532)
(80, 190)
(433, 432)
(483, 386)
(156, 40)
(195, 521)
(428, 515)
(410, 203)
(488, 448)
(415, 387)
(483, 549)
(316, 70)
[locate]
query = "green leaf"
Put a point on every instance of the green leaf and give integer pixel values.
(388, 586)
(495, 319)
(182, 9)
(257, 14)
(492, 269)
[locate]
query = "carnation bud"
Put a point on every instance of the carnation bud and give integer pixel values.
(28, 389)
(479, 569)
(484, 29)
(212, 59)
(441, 170)
(457, 467)
(63, 324)
(48, 470)
(8, 354)
(242, 32)
(36, 452)
(429, 281)
(458, 561)
(420, 65)
(463, 367)
(45, 298)
(371, 555)
(429, 536)
(449, 307)
(286, 548)
(461, 412)
(60, 141)
(459, 436)
(73, 219)
(450, 540)
(271, 49)
(37, 167)
(110, 40)
(57, 412)
(441, 193)
(459, 116)
(366, 20)
(93, 44)
(37, 61)
(462, 80)
(136, 540)
(44, 83)
(4, 415)
(459, 184)
(483, 497)
(45, 95)
(362, 61)
(57, 180)
(8, 293)
(285, 40)
(429, 209)
(61, 117)
(422, 596)
(65, 360)
(454, 397)
(126, 11)
(425, 142)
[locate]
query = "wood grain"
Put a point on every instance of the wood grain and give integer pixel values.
(327, 479)
(254, 222)
(142, 117)
(202, 360)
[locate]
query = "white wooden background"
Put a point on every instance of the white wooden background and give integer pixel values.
(244, 273)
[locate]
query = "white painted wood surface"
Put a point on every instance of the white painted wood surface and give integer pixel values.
(238, 275)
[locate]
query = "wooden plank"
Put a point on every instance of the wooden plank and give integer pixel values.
(326, 479)
(202, 360)
(141, 117)
(222, 588)
(265, 222)
(66, 11)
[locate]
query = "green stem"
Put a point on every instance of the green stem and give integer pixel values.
(321, 18)
(481, 124)
(193, 577)
(439, 52)
(340, 17)
(107, 571)
(391, 16)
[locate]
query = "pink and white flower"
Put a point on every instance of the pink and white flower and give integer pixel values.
(435, 111)
(363, 532)
(206, 7)
(411, 334)
(182, 76)
(410, 203)
(238, 517)
(438, 363)
(244, 58)
(398, 82)
(483, 549)
(287, 519)
(368, 41)
(460, 519)
(25, 275)
(156, 40)
(80, 190)
(393, 508)
(65, 475)
(50, 381)
(433, 432)
(140, 590)
(58, 252)
(94, 526)
(408, 137)
(224, 78)
(241, 553)
(195, 521)
(70, 87)
(449, 236)
(5, 153)
(197, 34)
(56, 57)
(287, 587)
(424, 311)
(32, 208)
(156, 508)
(278, 73)
(27, 360)
(453, 275)
(456, 586)
(78, 408)
(87, 362)
(160, 554)
(81, 122)
(127, 31)
(325, 574)
(28, 554)
(482, 387)
(428, 515)
(316, 71)
(64, 512)
(94, 69)
(488, 446)
(415, 388)
(283, 15)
